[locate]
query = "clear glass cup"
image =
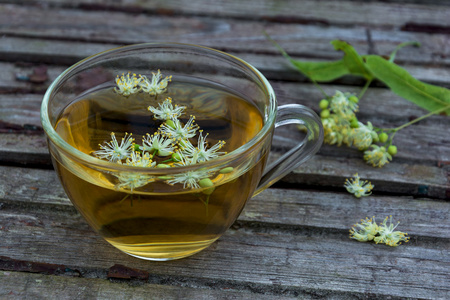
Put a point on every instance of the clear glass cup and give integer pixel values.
(157, 213)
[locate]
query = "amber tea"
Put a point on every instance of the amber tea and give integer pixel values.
(162, 217)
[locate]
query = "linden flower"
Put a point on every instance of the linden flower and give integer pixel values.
(166, 110)
(201, 153)
(127, 85)
(341, 105)
(358, 187)
(190, 179)
(388, 236)
(138, 160)
(157, 144)
(155, 86)
(362, 136)
(178, 131)
(377, 157)
(114, 152)
(131, 180)
(366, 231)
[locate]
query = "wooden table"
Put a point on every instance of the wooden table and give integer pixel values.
(292, 239)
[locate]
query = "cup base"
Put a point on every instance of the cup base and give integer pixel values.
(163, 251)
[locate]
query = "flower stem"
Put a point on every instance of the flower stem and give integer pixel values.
(363, 91)
(421, 118)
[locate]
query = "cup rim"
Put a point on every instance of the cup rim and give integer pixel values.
(87, 159)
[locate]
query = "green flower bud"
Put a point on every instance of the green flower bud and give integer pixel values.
(205, 182)
(165, 177)
(226, 170)
(209, 191)
(323, 104)
(136, 147)
(354, 123)
(162, 166)
(353, 99)
(170, 123)
(176, 156)
(324, 113)
(392, 150)
(383, 137)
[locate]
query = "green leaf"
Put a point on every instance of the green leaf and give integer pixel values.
(352, 60)
(394, 53)
(427, 96)
(321, 71)
(315, 71)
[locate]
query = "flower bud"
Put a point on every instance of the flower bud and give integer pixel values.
(392, 150)
(324, 113)
(162, 166)
(323, 104)
(170, 123)
(226, 170)
(353, 99)
(176, 156)
(383, 137)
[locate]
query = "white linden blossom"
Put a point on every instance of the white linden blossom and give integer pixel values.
(190, 179)
(157, 144)
(366, 231)
(179, 132)
(140, 160)
(362, 136)
(166, 110)
(155, 86)
(127, 85)
(388, 236)
(201, 153)
(114, 152)
(357, 187)
(377, 157)
(131, 180)
(341, 105)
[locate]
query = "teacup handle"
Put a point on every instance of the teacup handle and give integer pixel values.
(293, 114)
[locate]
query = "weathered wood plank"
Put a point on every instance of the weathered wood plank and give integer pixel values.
(344, 13)
(285, 259)
(296, 207)
(226, 34)
(51, 52)
(37, 286)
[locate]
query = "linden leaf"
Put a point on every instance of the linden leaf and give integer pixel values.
(321, 71)
(352, 60)
(315, 71)
(427, 96)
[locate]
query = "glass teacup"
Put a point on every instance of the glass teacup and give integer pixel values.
(163, 204)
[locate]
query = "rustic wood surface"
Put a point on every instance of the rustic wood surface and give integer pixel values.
(291, 241)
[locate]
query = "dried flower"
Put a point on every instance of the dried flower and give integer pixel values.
(138, 160)
(365, 231)
(180, 132)
(358, 187)
(362, 136)
(190, 179)
(368, 230)
(377, 157)
(155, 86)
(166, 110)
(157, 144)
(127, 85)
(388, 236)
(114, 152)
(342, 106)
(201, 153)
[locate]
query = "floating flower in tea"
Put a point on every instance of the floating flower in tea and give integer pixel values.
(171, 139)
